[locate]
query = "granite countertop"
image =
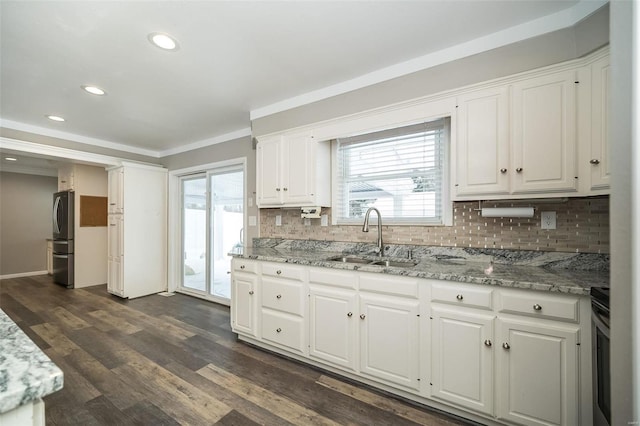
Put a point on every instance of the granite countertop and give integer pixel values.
(525, 270)
(26, 373)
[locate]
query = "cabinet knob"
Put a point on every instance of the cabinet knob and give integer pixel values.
(537, 307)
(278, 330)
(361, 316)
(519, 169)
(350, 314)
(279, 296)
(278, 272)
(250, 291)
(503, 171)
(487, 343)
(278, 189)
(595, 161)
(459, 297)
(241, 266)
(284, 189)
(506, 346)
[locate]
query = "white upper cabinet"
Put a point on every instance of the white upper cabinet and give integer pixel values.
(600, 106)
(116, 190)
(293, 171)
(544, 133)
(482, 150)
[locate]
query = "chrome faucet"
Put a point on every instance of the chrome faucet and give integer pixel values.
(365, 228)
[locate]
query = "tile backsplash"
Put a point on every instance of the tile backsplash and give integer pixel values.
(582, 226)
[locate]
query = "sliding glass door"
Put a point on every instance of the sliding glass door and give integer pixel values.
(212, 225)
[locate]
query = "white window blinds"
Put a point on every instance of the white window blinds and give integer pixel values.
(399, 171)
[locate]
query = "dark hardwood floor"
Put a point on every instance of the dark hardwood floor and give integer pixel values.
(174, 360)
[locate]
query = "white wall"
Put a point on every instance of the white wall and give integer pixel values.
(90, 242)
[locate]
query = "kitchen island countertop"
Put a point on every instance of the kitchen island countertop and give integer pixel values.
(26, 373)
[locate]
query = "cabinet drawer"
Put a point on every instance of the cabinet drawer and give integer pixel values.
(243, 265)
(538, 304)
(283, 295)
(389, 284)
(464, 295)
(283, 329)
(283, 270)
(334, 278)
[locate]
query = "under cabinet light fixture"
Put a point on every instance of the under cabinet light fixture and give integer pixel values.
(54, 118)
(94, 90)
(10, 158)
(163, 41)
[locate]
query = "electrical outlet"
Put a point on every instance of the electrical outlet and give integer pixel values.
(324, 220)
(278, 220)
(252, 221)
(307, 221)
(548, 220)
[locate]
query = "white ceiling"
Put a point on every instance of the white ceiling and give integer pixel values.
(236, 60)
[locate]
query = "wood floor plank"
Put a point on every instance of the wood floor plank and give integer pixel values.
(185, 398)
(52, 334)
(106, 413)
(146, 413)
(388, 404)
(83, 389)
(67, 319)
(114, 322)
(247, 408)
(278, 405)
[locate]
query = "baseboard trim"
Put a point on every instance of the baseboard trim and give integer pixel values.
(22, 274)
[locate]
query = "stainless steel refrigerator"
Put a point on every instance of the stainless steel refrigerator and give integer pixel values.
(63, 226)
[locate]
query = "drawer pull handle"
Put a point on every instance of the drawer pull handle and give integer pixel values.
(251, 292)
(537, 307)
(350, 314)
(278, 272)
(278, 330)
(487, 343)
(362, 316)
(279, 296)
(459, 297)
(506, 346)
(241, 266)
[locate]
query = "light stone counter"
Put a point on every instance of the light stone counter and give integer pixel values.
(26, 374)
(570, 273)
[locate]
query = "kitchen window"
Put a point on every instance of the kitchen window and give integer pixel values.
(400, 171)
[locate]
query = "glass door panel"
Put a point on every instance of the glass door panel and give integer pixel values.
(226, 226)
(194, 233)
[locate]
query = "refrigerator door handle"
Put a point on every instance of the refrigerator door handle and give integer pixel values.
(56, 205)
(61, 256)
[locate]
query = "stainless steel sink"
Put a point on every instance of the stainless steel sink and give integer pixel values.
(395, 263)
(350, 259)
(375, 262)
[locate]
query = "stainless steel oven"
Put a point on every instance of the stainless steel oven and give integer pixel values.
(601, 364)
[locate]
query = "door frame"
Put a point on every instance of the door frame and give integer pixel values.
(174, 264)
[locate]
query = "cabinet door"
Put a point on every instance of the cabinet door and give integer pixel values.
(389, 339)
(537, 373)
(333, 322)
(482, 146)
(244, 304)
(115, 255)
(600, 110)
(116, 191)
(268, 171)
(544, 134)
(462, 358)
(299, 169)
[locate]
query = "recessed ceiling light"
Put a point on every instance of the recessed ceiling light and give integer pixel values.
(93, 90)
(163, 41)
(54, 118)
(10, 159)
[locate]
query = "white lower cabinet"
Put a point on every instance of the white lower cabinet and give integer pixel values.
(389, 339)
(333, 326)
(537, 374)
(462, 357)
(503, 356)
